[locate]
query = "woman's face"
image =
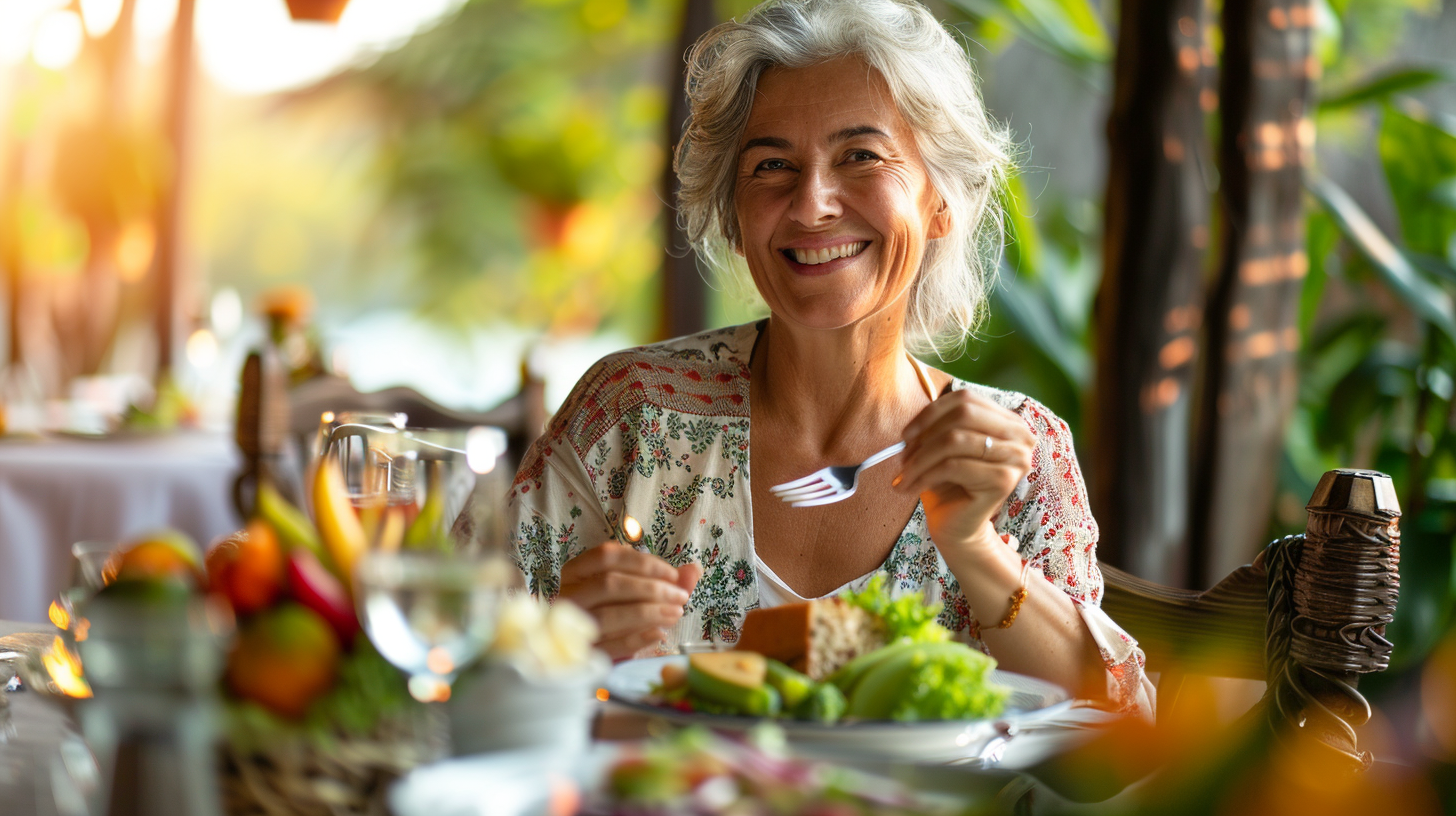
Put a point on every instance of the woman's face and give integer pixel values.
(833, 203)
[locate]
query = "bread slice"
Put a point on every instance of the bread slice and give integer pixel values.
(814, 637)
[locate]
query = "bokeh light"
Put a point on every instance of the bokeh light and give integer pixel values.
(58, 39)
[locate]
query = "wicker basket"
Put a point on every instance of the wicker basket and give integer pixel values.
(349, 777)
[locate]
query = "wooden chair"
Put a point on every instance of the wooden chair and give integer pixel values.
(1308, 616)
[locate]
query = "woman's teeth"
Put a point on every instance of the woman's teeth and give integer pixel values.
(811, 257)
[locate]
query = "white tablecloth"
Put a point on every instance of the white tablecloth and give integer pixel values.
(58, 491)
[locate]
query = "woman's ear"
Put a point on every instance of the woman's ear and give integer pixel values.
(939, 222)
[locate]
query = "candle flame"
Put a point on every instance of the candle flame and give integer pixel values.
(632, 529)
(64, 669)
(59, 616)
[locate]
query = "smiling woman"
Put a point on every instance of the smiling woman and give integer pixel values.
(841, 150)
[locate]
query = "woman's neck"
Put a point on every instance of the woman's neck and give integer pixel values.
(836, 389)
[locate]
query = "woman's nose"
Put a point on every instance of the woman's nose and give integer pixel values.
(816, 198)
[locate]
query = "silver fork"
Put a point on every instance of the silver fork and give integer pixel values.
(831, 484)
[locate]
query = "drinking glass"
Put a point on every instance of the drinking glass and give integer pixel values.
(429, 587)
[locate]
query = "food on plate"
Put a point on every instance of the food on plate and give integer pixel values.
(918, 674)
(247, 568)
(815, 637)
(162, 554)
(734, 680)
(284, 659)
(695, 772)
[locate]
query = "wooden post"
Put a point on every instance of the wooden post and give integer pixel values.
(12, 260)
(171, 214)
(1149, 304)
(1249, 377)
(684, 292)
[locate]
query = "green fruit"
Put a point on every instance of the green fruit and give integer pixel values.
(876, 693)
(292, 526)
(733, 679)
(846, 677)
(824, 704)
(791, 685)
(425, 531)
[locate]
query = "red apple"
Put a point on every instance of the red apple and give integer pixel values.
(317, 588)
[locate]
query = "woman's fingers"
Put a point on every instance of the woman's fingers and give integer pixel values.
(963, 408)
(966, 414)
(620, 620)
(975, 478)
(614, 557)
(624, 587)
(621, 648)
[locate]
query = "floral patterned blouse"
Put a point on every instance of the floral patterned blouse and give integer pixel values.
(661, 432)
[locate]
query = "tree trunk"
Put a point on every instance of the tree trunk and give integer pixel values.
(1249, 385)
(1149, 304)
(170, 227)
(684, 291)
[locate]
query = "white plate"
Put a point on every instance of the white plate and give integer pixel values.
(1031, 701)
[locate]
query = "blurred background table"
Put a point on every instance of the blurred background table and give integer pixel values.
(59, 490)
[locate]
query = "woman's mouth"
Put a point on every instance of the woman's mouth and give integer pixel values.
(815, 257)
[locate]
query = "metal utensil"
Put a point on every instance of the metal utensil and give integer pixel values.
(830, 484)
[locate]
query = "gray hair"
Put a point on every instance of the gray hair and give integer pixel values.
(967, 156)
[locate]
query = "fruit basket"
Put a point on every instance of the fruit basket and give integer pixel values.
(327, 775)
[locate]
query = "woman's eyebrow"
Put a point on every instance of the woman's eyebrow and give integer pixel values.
(766, 141)
(858, 130)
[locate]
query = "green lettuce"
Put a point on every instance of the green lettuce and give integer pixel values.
(952, 685)
(907, 617)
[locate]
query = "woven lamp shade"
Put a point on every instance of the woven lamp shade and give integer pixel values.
(318, 11)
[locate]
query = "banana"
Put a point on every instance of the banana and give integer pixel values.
(291, 525)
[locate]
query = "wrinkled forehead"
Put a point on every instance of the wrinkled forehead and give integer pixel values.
(832, 95)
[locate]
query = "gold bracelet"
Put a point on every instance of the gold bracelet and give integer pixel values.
(1017, 599)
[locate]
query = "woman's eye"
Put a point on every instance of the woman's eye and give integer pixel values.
(772, 164)
(863, 155)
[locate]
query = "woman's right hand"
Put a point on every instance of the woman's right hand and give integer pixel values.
(635, 597)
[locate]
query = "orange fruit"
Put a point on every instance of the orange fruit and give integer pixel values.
(284, 659)
(164, 554)
(247, 568)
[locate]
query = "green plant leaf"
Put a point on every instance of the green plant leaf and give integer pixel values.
(1426, 299)
(1032, 315)
(1419, 159)
(1321, 236)
(1023, 240)
(1381, 87)
(1070, 30)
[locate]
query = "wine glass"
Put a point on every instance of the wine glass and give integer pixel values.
(429, 587)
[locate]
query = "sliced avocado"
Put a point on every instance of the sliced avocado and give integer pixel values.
(792, 685)
(734, 679)
(846, 677)
(875, 694)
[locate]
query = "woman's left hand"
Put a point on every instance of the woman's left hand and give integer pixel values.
(964, 455)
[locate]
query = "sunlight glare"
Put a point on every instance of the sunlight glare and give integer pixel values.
(202, 349)
(254, 48)
(100, 15)
(58, 40)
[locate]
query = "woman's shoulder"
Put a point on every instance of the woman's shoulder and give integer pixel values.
(704, 374)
